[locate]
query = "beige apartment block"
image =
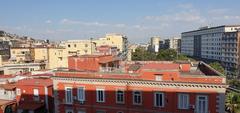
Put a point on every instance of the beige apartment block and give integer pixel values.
(57, 57)
(114, 40)
(20, 54)
(39, 54)
(79, 47)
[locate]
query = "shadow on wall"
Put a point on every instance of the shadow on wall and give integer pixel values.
(28, 103)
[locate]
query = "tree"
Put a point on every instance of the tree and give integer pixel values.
(217, 66)
(142, 54)
(234, 83)
(233, 102)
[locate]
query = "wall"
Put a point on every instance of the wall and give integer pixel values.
(110, 105)
(57, 57)
(39, 54)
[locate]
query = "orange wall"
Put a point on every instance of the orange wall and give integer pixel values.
(147, 93)
(90, 64)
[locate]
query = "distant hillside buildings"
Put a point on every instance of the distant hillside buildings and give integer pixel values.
(44, 55)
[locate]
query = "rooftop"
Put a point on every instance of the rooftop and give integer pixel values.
(6, 102)
(171, 72)
(35, 82)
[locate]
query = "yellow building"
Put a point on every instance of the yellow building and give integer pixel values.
(20, 54)
(57, 57)
(39, 54)
(79, 47)
(1, 61)
(114, 40)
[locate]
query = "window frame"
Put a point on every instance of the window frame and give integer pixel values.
(133, 96)
(123, 97)
(83, 95)
(18, 91)
(155, 100)
(97, 95)
(71, 99)
(180, 106)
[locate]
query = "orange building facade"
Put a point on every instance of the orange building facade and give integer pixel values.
(35, 95)
(150, 88)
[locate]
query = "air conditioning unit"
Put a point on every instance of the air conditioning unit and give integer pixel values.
(192, 106)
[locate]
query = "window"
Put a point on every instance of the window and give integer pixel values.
(75, 45)
(35, 94)
(119, 96)
(86, 45)
(158, 99)
(69, 45)
(100, 95)
(18, 91)
(68, 95)
(69, 111)
(183, 101)
(137, 97)
(202, 104)
(81, 94)
(158, 77)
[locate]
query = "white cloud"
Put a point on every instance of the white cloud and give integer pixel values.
(48, 21)
(184, 16)
(76, 22)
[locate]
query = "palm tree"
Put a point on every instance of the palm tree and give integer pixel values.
(233, 102)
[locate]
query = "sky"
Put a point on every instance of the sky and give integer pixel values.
(137, 19)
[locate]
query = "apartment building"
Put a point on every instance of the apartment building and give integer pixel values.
(19, 68)
(173, 43)
(20, 54)
(57, 57)
(154, 44)
(151, 88)
(79, 47)
(39, 54)
(35, 96)
(115, 40)
(219, 43)
(5, 49)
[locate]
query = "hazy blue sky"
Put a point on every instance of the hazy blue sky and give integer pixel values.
(138, 19)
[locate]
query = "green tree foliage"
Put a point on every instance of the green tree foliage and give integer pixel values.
(217, 66)
(233, 102)
(234, 83)
(164, 55)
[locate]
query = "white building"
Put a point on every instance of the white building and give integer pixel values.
(213, 43)
(154, 45)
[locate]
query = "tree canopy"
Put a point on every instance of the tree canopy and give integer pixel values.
(142, 54)
(217, 66)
